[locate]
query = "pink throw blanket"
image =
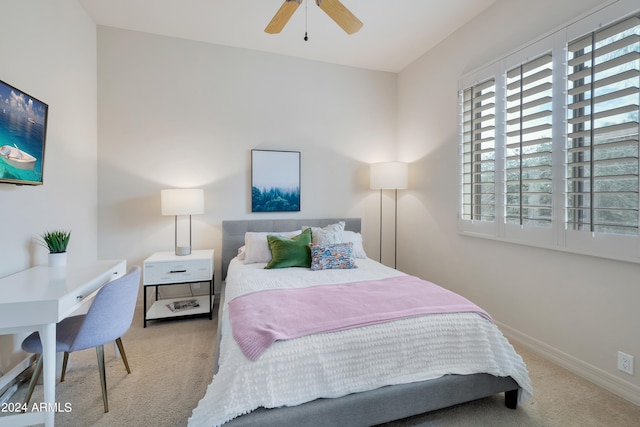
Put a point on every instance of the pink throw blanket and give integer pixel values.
(260, 318)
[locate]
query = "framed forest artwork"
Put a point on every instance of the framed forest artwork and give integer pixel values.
(275, 181)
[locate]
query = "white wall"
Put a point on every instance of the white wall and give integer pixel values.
(48, 50)
(579, 310)
(178, 113)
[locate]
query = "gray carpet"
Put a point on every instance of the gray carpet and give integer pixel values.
(172, 364)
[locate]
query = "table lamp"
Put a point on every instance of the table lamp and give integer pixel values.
(182, 201)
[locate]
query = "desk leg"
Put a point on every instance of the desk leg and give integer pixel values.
(48, 338)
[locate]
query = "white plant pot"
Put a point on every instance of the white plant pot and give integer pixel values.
(58, 260)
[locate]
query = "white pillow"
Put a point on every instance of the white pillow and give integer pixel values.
(329, 235)
(241, 252)
(356, 239)
(257, 247)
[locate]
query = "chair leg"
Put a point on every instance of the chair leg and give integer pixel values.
(103, 377)
(122, 353)
(34, 378)
(64, 366)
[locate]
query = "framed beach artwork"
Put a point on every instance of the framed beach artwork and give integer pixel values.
(275, 181)
(23, 131)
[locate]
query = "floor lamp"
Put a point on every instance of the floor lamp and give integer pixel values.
(182, 201)
(389, 176)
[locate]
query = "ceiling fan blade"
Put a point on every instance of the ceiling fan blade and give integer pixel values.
(282, 16)
(341, 15)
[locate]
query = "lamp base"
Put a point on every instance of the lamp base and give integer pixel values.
(183, 250)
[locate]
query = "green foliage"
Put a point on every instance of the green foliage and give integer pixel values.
(56, 241)
(275, 200)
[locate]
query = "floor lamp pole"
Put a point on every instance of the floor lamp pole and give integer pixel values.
(389, 176)
(395, 234)
(395, 231)
(380, 258)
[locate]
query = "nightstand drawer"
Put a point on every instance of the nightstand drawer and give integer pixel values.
(177, 271)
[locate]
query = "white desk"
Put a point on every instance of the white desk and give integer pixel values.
(37, 299)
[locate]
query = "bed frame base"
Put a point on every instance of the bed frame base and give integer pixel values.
(384, 404)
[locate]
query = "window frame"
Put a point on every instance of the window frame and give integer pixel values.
(558, 236)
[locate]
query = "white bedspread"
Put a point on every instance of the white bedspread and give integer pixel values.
(338, 363)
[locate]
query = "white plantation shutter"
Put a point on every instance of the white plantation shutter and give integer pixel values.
(549, 140)
(478, 152)
(529, 143)
(602, 140)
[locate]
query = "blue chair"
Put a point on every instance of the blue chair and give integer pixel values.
(108, 318)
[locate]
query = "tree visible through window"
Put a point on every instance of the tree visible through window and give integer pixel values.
(602, 141)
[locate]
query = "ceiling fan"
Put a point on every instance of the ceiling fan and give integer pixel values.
(336, 11)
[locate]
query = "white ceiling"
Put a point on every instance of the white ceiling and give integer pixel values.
(395, 32)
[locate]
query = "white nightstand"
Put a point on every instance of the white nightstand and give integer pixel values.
(166, 269)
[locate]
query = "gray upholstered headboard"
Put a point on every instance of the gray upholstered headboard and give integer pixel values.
(233, 231)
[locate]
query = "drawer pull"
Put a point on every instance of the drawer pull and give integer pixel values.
(178, 271)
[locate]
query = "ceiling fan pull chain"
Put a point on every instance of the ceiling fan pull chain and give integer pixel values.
(306, 13)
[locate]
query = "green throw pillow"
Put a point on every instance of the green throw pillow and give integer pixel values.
(286, 252)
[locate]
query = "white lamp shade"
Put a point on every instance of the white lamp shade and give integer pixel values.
(182, 201)
(389, 176)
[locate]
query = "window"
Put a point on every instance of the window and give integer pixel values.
(602, 143)
(549, 146)
(478, 148)
(528, 143)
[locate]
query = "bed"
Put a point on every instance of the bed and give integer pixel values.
(235, 397)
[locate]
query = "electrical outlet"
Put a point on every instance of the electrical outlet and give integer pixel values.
(625, 363)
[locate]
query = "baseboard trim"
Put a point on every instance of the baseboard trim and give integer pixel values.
(598, 376)
(8, 378)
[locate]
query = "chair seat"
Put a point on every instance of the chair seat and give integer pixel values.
(66, 332)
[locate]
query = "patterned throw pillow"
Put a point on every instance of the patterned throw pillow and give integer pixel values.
(334, 256)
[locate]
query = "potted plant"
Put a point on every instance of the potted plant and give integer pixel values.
(56, 241)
